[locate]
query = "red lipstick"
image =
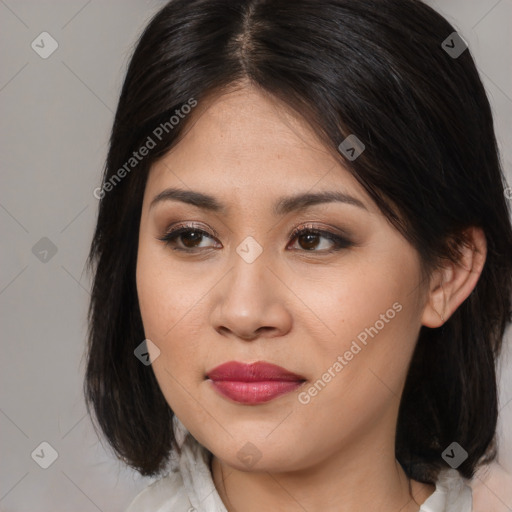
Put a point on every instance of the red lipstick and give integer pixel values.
(253, 383)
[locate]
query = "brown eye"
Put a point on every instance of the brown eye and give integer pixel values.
(309, 239)
(189, 237)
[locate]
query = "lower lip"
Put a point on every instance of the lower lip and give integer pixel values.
(254, 392)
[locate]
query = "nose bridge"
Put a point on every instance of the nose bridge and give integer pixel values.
(249, 275)
(249, 298)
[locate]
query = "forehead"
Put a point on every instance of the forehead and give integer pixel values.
(249, 145)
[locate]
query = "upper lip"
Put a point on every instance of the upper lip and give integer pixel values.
(252, 372)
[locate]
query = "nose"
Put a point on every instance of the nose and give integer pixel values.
(251, 302)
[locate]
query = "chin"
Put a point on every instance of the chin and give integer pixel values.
(246, 453)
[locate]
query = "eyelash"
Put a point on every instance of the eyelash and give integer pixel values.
(338, 241)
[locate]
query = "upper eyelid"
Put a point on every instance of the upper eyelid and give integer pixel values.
(323, 232)
(306, 226)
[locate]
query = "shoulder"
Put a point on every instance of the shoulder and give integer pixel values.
(452, 494)
(167, 493)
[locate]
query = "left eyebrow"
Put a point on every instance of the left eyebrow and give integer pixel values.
(289, 204)
(282, 206)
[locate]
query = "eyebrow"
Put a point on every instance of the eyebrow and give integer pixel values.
(282, 206)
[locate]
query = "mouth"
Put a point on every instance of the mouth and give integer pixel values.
(253, 383)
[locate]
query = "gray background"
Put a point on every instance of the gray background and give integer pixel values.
(56, 117)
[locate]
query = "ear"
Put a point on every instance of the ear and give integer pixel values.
(450, 285)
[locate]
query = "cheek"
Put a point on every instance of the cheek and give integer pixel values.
(373, 325)
(160, 288)
(155, 301)
(359, 374)
(362, 300)
(167, 324)
(170, 311)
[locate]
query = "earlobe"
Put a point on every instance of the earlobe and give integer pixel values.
(452, 284)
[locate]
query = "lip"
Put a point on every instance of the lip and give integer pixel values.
(253, 383)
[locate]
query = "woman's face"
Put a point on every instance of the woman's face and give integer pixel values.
(343, 321)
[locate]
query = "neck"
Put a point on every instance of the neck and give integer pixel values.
(375, 480)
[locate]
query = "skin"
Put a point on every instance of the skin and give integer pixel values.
(296, 305)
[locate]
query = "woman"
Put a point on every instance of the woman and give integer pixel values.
(302, 270)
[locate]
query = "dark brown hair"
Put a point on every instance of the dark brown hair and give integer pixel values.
(376, 69)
